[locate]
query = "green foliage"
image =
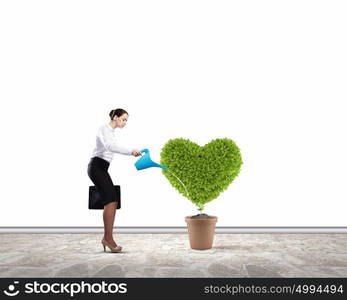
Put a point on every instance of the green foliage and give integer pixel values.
(206, 171)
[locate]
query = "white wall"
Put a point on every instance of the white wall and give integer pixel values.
(271, 75)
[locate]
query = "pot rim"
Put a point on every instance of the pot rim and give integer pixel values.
(211, 218)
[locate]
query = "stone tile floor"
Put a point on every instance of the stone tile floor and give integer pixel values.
(169, 255)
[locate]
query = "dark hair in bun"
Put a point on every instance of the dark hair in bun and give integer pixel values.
(117, 112)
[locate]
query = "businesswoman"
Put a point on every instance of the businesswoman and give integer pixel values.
(106, 146)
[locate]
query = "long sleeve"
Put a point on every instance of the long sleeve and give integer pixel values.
(109, 142)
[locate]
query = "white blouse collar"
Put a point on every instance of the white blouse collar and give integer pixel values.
(109, 126)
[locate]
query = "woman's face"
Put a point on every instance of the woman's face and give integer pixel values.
(122, 120)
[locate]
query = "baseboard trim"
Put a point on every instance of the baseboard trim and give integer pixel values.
(173, 230)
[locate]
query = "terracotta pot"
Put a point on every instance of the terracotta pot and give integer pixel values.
(201, 232)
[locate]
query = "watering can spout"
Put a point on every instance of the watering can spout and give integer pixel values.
(146, 162)
(159, 166)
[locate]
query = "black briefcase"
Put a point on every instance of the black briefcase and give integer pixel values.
(95, 201)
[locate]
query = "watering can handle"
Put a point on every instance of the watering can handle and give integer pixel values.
(145, 150)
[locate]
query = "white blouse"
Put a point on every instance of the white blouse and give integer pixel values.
(106, 144)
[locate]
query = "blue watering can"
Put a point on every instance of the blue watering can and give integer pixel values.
(146, 162)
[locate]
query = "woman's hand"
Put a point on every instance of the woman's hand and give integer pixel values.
(136, 152)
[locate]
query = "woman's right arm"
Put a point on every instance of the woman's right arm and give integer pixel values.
(109, 142)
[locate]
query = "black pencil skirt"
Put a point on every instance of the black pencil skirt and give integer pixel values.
(97, 172)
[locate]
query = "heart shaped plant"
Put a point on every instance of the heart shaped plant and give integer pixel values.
(205, 171)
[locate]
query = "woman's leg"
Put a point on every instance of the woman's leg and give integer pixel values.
(97, 172)
(109, 216)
